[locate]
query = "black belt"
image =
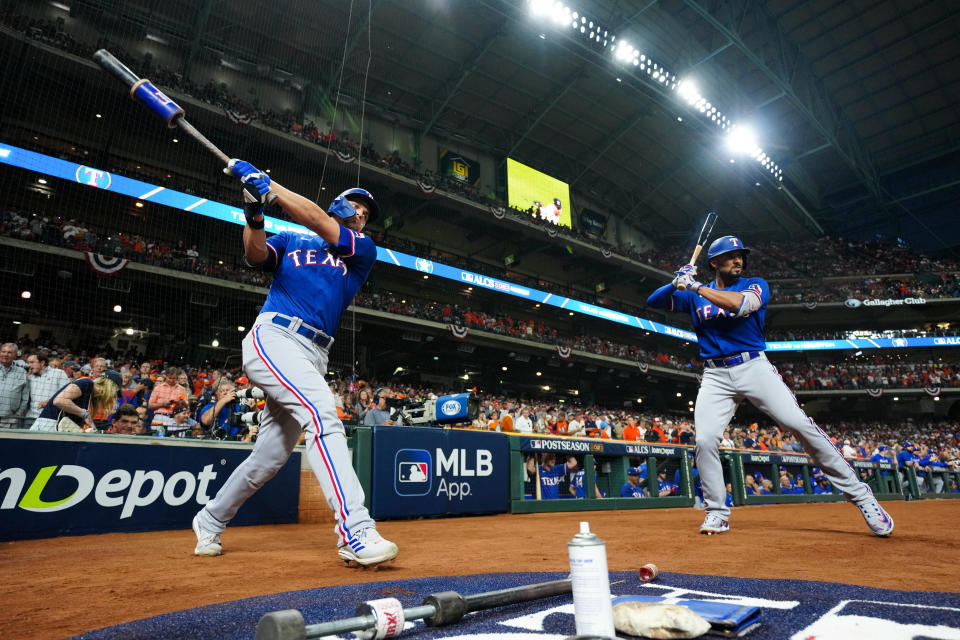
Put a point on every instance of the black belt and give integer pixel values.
(316, 336)
(732, 361)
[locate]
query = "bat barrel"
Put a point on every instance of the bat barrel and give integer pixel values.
(119, 70)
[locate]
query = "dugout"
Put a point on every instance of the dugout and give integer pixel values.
(881, 476)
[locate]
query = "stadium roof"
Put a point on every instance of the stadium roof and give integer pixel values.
(854, 101)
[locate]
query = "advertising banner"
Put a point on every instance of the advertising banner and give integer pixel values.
(459, 167)
(67, 487)
(429, 471)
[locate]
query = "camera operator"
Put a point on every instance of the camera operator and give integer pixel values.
(380, 413)
(215, 416)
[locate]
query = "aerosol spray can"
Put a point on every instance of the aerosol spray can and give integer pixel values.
(592, 606)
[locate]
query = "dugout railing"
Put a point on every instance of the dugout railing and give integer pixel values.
(613, 459)
(881, 476)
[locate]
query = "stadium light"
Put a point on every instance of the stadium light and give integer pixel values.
(741, 140)
(241, 328)
(624, 53)
(215, 343)
(117, 308)
(540, 8)
(26, 295)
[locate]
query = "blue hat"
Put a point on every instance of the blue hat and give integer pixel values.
(633, 471)
(881, 448)
(815, 471)
(757, 476)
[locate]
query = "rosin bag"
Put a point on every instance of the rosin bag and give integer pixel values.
(725, 618)
(658, 620)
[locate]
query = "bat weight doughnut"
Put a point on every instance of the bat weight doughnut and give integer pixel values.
(450, 607)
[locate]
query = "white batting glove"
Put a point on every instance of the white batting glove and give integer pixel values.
(687, 270)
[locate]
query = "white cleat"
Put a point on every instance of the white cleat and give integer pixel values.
(208, 543)
(876, 516)
(714, 524)
(368, 548)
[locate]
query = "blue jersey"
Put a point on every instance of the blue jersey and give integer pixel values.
(315, 280)
(630, 491)
(550, 481)
(579, 483)
(720, 333)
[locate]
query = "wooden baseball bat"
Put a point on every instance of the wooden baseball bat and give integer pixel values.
(701, 241)
(536, 467)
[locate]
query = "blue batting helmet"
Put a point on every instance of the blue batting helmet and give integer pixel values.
(726, 244)
(341, 208)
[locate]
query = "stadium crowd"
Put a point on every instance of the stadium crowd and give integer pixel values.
(817, 258)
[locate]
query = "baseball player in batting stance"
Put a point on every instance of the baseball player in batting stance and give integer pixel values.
(316, 276)
(728, 317)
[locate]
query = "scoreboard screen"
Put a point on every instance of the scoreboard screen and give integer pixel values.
(531, 190)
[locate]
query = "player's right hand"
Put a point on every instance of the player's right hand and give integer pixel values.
(687, 270)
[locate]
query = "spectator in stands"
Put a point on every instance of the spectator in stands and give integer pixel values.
(632, 432)
(44, 381)
(97, 367)
(144, 371)
(182, 422)
(166, 396)
(364, 402)
(125, 420)
(523, 424)
(72, 408)
(631, 488)
(726, 442)
(14, 387)
(379, 413)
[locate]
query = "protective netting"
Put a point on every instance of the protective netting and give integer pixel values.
(69, 227)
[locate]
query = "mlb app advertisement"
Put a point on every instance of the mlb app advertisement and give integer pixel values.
(429, 471)
(54, 488)
(528, 188)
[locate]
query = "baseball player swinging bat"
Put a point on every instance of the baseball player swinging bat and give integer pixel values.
(701, 241)
(143, 91)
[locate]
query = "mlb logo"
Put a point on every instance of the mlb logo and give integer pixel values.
(412, 472)
(413, 475)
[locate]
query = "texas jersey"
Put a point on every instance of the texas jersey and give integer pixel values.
(720, 332)
(315, 280)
